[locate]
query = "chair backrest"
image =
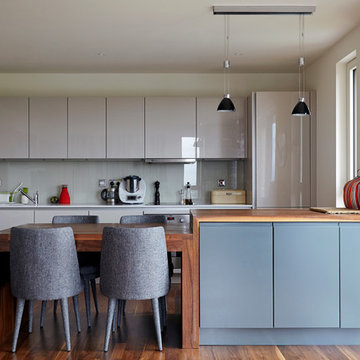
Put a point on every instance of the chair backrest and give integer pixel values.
(75, 219)
(43, 263)
(134, 263)
(143, 219)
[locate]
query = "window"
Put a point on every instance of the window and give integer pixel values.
(352, 148)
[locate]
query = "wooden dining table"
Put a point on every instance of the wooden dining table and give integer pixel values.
(88, 237)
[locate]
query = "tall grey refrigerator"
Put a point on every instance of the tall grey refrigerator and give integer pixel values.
(282, 148)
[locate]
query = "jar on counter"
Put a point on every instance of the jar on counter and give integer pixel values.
(24, 199)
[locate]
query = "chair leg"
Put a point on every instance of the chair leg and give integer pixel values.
(163, 316)
(43, 312)
(76, 310)
(155, 306)
(124, 306)
(93, 288)
(65, 315)
(87, 301)
(31, 315)
(121, 304)
(114, 318)
(19, 313)
(164, 309)
(55, 305)
(109, 321)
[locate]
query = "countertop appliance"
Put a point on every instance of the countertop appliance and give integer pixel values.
(132, 190)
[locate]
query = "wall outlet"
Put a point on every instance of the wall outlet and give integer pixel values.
(102, 183)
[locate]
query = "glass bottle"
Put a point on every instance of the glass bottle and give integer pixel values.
(188, 199)
(64, 196)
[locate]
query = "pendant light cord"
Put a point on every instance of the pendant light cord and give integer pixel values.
(301, 57)
(226, 55)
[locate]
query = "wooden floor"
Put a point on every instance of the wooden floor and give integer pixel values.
(136, 339)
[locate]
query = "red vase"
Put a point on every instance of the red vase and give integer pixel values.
(64, 196)
(352, 193)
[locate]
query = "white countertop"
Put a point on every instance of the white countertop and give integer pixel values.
(123, 206)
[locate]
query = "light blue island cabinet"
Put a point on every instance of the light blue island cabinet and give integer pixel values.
(236, 288)
(279, 283)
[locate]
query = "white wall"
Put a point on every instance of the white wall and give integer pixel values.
(141, 84)
(323, 77)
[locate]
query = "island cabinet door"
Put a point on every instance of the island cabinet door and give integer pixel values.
(306, 275)
(236, 275)
(350, 275)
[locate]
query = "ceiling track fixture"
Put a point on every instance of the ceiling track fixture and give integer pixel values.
(263, 9)
(300, 109)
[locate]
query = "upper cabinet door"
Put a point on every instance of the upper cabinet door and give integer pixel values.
(14, 124)
(221, 135)
(48, 127)
(86, 127)
(170, 127)
(125, 127)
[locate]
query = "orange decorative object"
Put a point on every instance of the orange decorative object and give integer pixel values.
(352, 193)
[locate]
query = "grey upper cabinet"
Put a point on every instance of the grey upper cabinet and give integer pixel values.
(48, 127)
(86, 127)
(221, 135)
(170, 127)
(125, 127)
(14, 124)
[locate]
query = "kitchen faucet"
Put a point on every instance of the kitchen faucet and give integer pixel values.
(34, 200)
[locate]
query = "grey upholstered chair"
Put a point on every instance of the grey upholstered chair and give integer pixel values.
(148, 219)
(143, 219)
(134, 266)
(43, 266)
(89, 264)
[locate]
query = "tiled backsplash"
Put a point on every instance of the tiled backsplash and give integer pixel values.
(82, 177)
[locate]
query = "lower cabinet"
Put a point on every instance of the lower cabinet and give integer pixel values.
(350, 275)
(114, 215)
(10, 217)
(46, 215)
(236, 275)
(306, 275)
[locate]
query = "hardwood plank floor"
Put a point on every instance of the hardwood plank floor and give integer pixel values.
(136, 339)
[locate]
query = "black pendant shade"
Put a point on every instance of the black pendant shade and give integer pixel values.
(301, 109)
(226, 105)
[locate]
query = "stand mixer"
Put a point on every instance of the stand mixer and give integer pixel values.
(132, 190)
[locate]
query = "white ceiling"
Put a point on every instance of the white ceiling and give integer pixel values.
(97, 36)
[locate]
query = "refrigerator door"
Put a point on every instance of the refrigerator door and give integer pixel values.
(282, 151)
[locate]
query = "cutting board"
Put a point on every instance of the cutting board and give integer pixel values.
(333, 210)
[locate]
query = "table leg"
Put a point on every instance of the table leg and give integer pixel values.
(7, 312)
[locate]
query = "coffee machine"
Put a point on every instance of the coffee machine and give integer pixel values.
(132, 190)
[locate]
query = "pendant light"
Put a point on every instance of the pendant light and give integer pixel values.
(301, 109)
(226, 105)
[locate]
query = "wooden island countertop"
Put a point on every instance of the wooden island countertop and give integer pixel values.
(270, 215)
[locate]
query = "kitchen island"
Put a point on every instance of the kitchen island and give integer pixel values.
(270, 276)
(287, 276)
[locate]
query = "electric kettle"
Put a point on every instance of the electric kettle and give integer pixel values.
(108, 195)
